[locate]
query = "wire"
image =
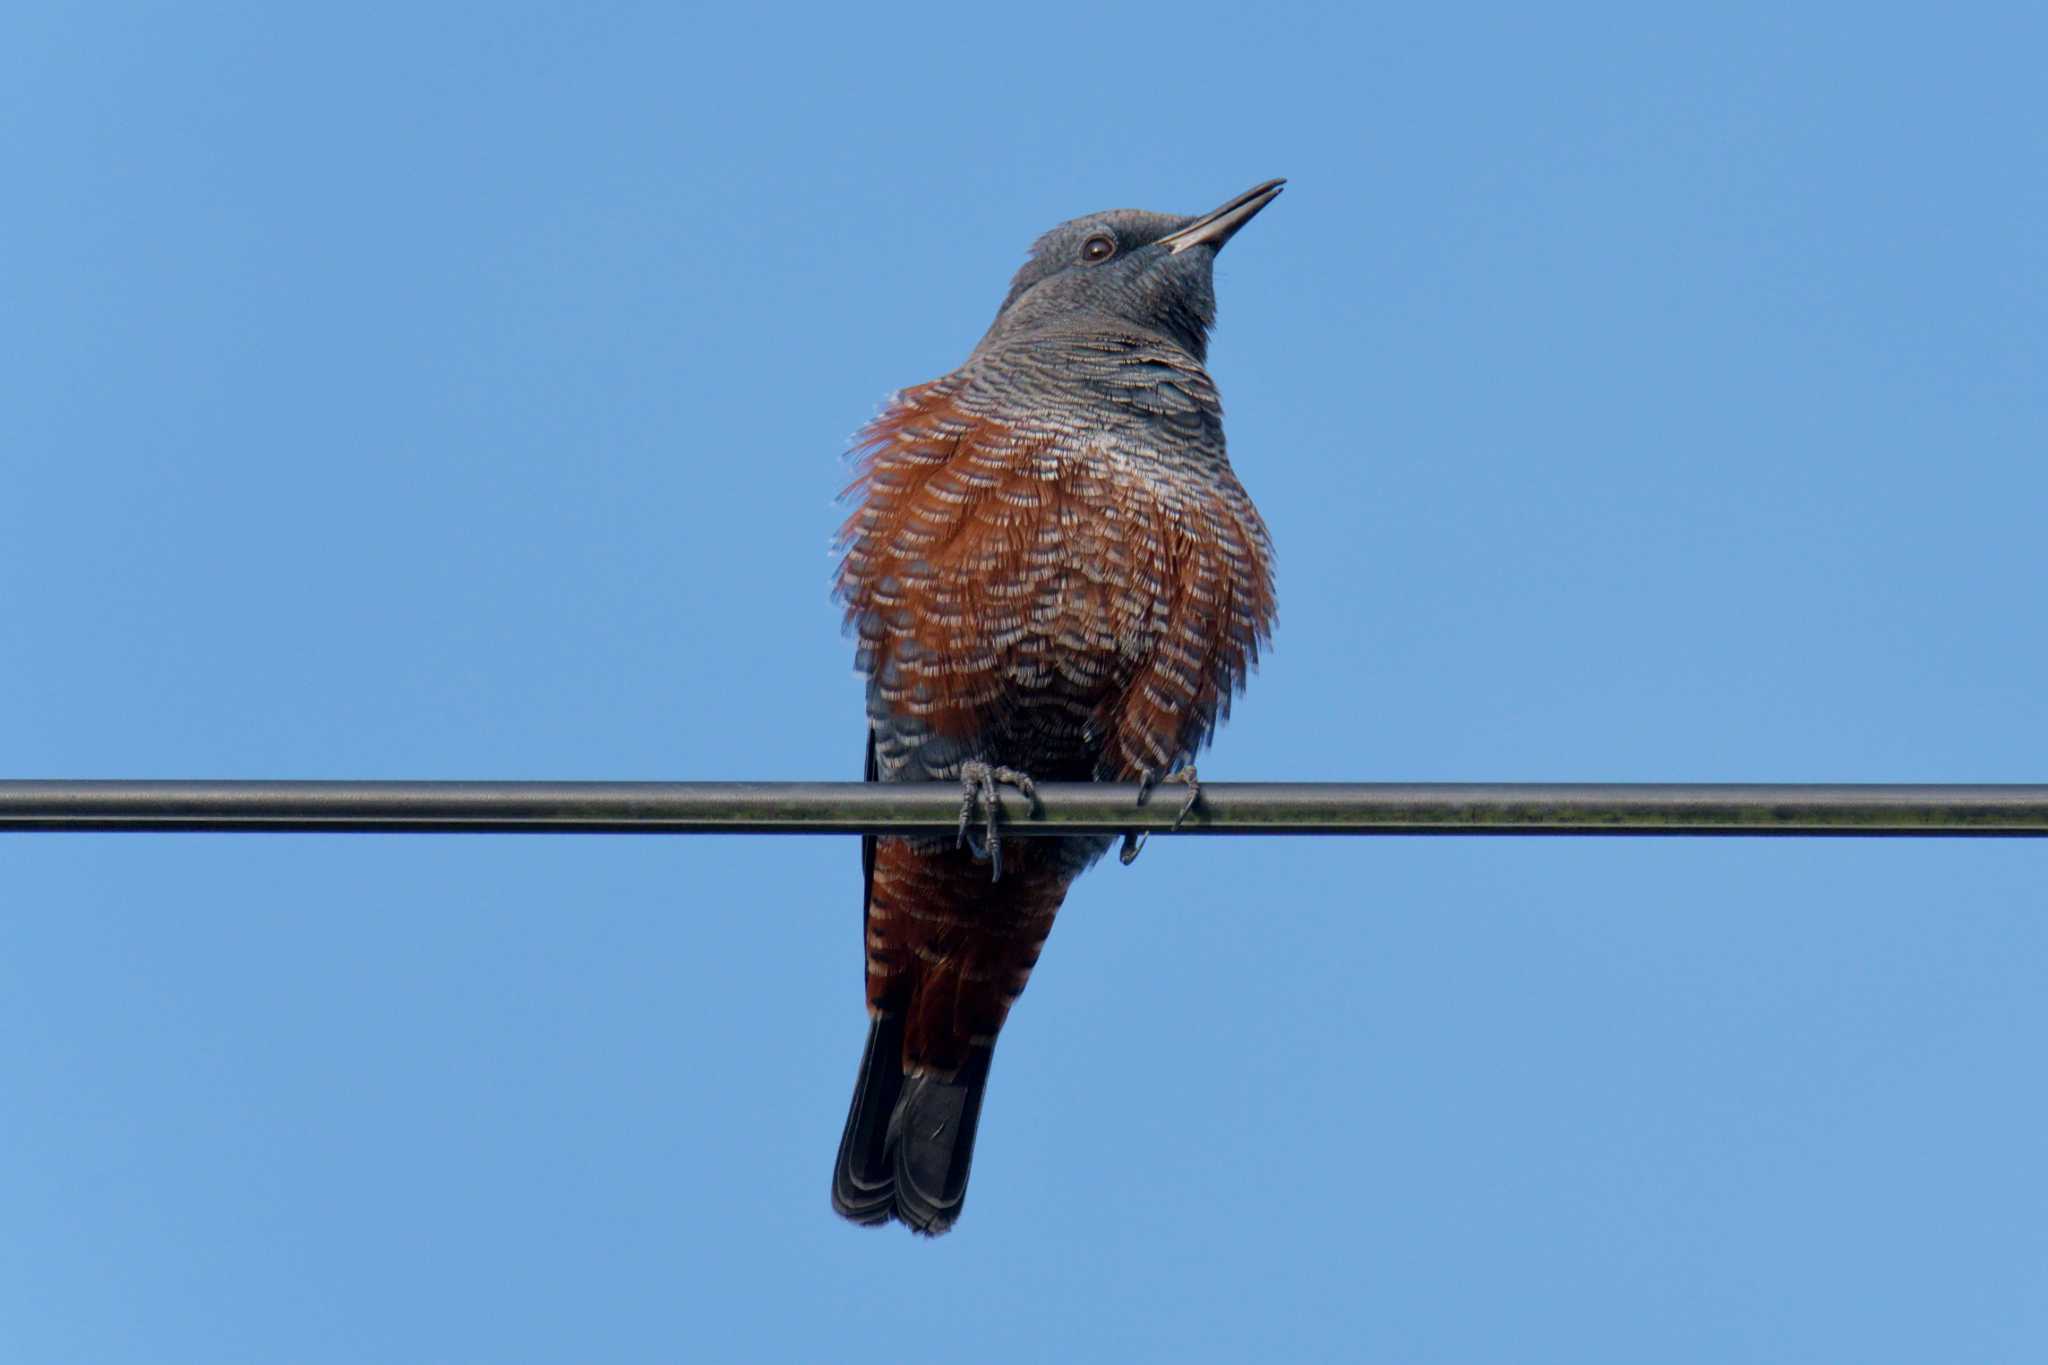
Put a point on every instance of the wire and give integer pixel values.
(1061, 808)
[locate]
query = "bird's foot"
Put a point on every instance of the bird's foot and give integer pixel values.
(1134, 842)
(978, 787)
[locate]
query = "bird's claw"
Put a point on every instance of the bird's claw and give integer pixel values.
(978, 785)
(1134, 842)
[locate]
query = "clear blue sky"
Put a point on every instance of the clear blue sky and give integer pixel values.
(459, 392)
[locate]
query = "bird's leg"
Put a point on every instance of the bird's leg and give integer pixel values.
(1185, 774)
(978, 784)
(1134, 842)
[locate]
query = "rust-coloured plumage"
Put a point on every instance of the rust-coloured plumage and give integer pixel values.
(1050, 567)
(994, 571)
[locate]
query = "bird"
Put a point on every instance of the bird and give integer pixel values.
(1051, 573)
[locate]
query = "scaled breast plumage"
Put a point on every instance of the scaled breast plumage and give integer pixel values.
(1110, 573)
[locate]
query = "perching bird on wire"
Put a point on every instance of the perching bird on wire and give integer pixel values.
(1054, 576)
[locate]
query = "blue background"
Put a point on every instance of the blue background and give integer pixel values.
(459, 392)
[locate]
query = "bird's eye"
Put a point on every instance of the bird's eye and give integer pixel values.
(1098, 248)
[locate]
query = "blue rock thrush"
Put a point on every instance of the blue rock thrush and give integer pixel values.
(1053, 574)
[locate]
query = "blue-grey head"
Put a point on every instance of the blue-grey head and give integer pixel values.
(1154, 271)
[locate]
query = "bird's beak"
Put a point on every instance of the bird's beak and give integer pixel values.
(1214, 229)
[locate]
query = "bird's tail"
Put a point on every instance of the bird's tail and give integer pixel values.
(909, 1140)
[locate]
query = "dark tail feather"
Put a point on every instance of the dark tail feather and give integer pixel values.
(933, 1136)
(909, 1140)
(864, 1181)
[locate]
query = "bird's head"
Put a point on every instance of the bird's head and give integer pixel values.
(1152, 270)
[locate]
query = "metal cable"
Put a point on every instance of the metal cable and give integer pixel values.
(1062, 808)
